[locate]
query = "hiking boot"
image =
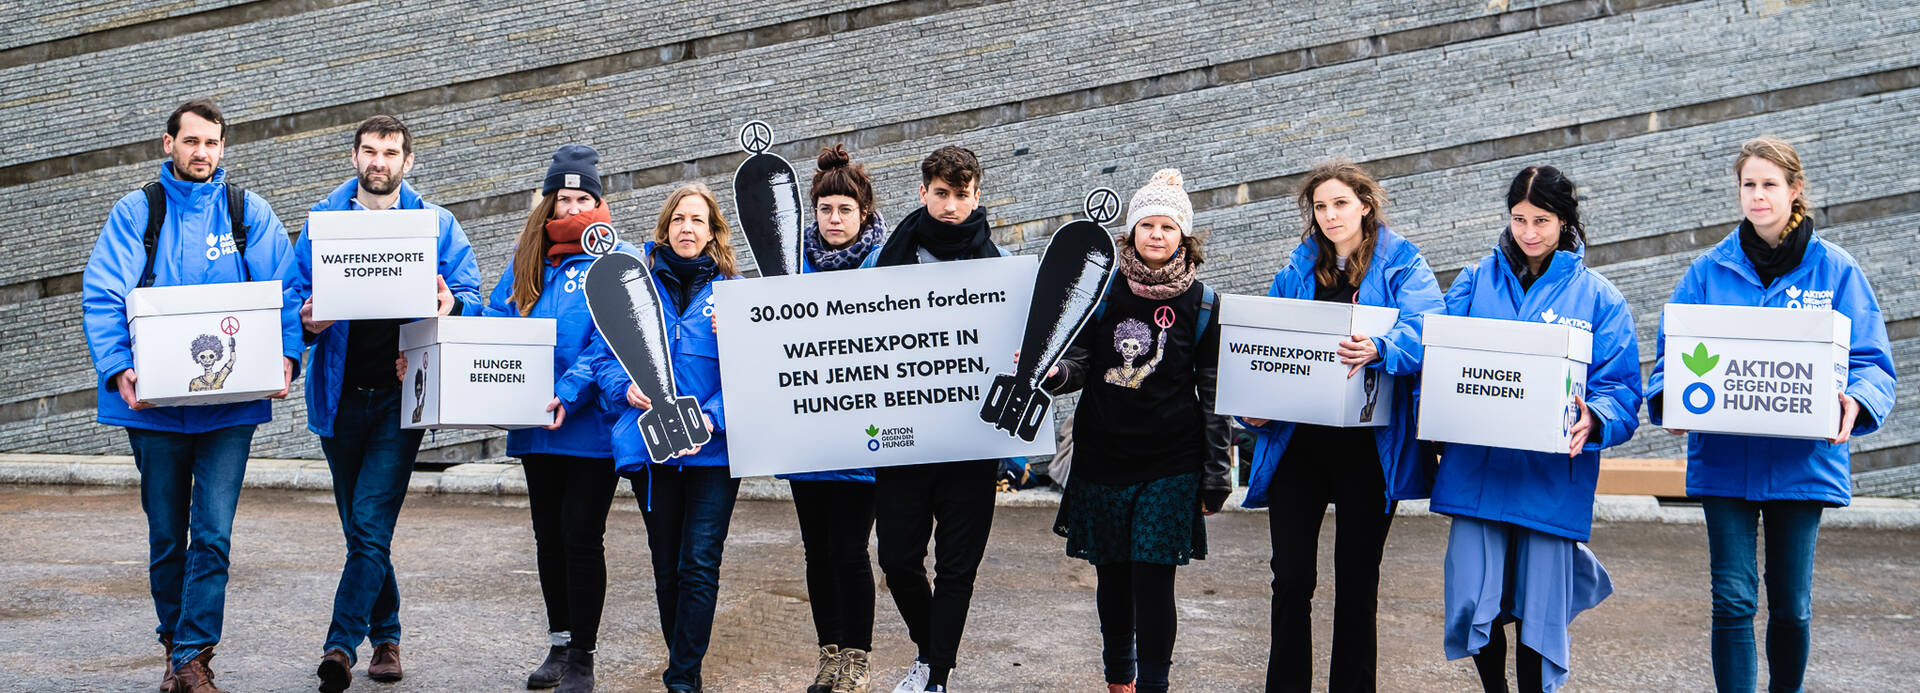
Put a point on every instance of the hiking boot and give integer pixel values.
(549, 672)
(194, 676)
(385, 665)
(335, 672)
(166, 666)
(829, 670)
(579, 676)
(853, 676)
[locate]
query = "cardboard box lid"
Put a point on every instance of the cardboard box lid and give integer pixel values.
(366, 223)
(203, 298)
(1750, 322)
(474, 330)
(1508, 337)
(1322, 317)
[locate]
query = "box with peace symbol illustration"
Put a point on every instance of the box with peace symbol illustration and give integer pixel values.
(1755, 371)
(374, 264)
(1502, 383)
(470, 372)
(206, 343)
(1279, 360)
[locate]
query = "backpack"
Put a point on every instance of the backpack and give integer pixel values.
(157, 217)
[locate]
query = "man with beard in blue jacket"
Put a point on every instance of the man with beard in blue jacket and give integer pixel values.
(191, 458)
(353, 404)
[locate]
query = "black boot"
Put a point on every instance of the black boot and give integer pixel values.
(579, 678)
(548, 675)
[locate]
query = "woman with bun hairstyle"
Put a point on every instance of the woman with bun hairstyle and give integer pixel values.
(1152, 457)
(1348, 254)
(1774, 258)
(836, 507)
(1515, 552)
(686, 501)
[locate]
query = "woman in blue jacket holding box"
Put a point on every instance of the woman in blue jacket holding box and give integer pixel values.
(1515, 551)
(1348, 254)
(1775, 259)
(835, 508)
(568, 465)
(687, 501)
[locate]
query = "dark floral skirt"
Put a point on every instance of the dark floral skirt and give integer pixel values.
(1154, 521)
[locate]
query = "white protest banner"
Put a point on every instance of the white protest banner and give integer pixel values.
(870, 368)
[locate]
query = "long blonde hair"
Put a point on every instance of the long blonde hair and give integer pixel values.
(1370, 194)
(529, 253)
(1778, 152)
(720, 248)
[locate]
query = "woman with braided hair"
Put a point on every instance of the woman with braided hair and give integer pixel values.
(1774, 258)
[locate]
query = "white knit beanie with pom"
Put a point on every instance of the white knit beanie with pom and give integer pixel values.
(1163, 196)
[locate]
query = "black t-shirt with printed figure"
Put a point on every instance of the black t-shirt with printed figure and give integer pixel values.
(1139, 416)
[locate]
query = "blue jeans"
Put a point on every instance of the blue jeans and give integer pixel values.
(1792, 528)
(189, 487)
(371, 459)
(686, 530)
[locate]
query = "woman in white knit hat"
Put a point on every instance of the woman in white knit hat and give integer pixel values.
(1150, 455)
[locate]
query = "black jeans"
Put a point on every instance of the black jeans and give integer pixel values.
(569, 498)
(836, 517)
(1362, 515)
(1135, 601)
(952, 504)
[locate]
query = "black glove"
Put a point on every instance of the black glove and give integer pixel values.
(1212, 500)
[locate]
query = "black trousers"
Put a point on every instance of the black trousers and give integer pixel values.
(1298, 499)
(1137, 623)
(950, 503)
(836, 517)
(1491, 662)
(569, 497)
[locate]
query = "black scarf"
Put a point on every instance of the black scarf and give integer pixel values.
(1770, 262)
(1517, 258)
(968, 240)
(685, 276)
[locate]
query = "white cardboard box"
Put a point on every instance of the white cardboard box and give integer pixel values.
(467, 372)
(374, 264)
(1502, 383)
(206, 343)
(1278, 361)
(1755, 371)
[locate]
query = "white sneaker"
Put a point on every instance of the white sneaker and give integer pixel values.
(916, 680)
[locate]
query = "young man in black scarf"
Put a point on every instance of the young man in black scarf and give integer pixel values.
(950, 502)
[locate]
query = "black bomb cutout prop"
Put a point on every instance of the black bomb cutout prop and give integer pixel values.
(626, 310)
(1279, 360)
(1502, 383)
(480, 373)
(1755, 371)
(206, 343)
(766, 199)
(1073, 276)
(374, 264)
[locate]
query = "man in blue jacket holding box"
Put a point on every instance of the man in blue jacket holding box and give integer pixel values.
(191, 458)
(353, 404)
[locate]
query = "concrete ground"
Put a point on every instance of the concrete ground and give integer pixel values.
(75, 615)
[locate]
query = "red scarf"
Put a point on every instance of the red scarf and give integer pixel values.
(565, 233)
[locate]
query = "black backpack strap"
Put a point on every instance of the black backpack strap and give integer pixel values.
(237, 224)
(156, 217)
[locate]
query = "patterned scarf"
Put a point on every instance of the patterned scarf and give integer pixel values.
(827, 259)
(1172, 279)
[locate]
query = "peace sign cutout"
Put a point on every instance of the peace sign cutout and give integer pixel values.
(756, 136)
(599, 239)
(1103, 206)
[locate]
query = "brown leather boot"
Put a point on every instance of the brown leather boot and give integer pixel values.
(385, 665)
(335, 672)
(195, 676)
(166, 666)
